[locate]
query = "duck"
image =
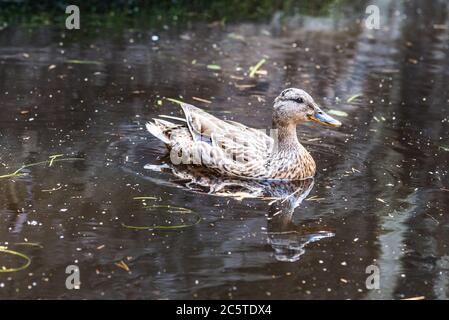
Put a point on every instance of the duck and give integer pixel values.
(231, 149)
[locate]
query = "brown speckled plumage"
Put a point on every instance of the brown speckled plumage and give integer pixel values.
(232, 149)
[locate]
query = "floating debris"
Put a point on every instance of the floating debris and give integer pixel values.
(236, 36)
(440, 27)
(165, 227)
(27, 259)
(53, 159)
(201, 100)
(337, 113)
(244, 86)
(167, 206)
(353, 97)
(436, 221)
(215, 67)
(145, 198)
(254, 69)
(53, 189)
(121, 264)
(315, 198)
(171, 209)
(75, 61)
(444, 148)
(175, 101)
(415, 298)
(30, 244)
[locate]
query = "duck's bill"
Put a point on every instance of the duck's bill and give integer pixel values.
(323, 118)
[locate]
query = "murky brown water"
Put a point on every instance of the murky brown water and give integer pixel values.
(380, 196)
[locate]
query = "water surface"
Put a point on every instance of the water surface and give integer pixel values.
(380, 195)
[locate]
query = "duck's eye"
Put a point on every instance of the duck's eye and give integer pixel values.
(299, 100)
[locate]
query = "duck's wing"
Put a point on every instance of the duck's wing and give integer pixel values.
(232, 137)
(227, 147)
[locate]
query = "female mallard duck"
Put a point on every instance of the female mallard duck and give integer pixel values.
(232, 149)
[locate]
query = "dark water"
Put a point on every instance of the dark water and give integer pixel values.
(380, 196)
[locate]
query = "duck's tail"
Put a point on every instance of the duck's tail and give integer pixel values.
(160, 129)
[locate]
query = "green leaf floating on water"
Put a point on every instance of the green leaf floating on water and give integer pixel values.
(254, 69)
(353, 97)
(168, 208)
(27, 259)
(75, 61)
(175, 100)
(145, 198)
(338, 113)
(213, 67)
(52, 159)
(165, 227)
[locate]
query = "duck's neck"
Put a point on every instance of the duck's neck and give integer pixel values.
(288, 144)
(287, 138)
(292, 155)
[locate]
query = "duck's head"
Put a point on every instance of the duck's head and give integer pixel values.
(295, 106)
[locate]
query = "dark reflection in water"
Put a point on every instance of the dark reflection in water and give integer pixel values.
(380, 196)
(287, 238)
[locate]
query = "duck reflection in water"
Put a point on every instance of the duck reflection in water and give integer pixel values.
(288, 239)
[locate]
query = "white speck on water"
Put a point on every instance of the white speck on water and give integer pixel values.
(63, 210)
(154, 38)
